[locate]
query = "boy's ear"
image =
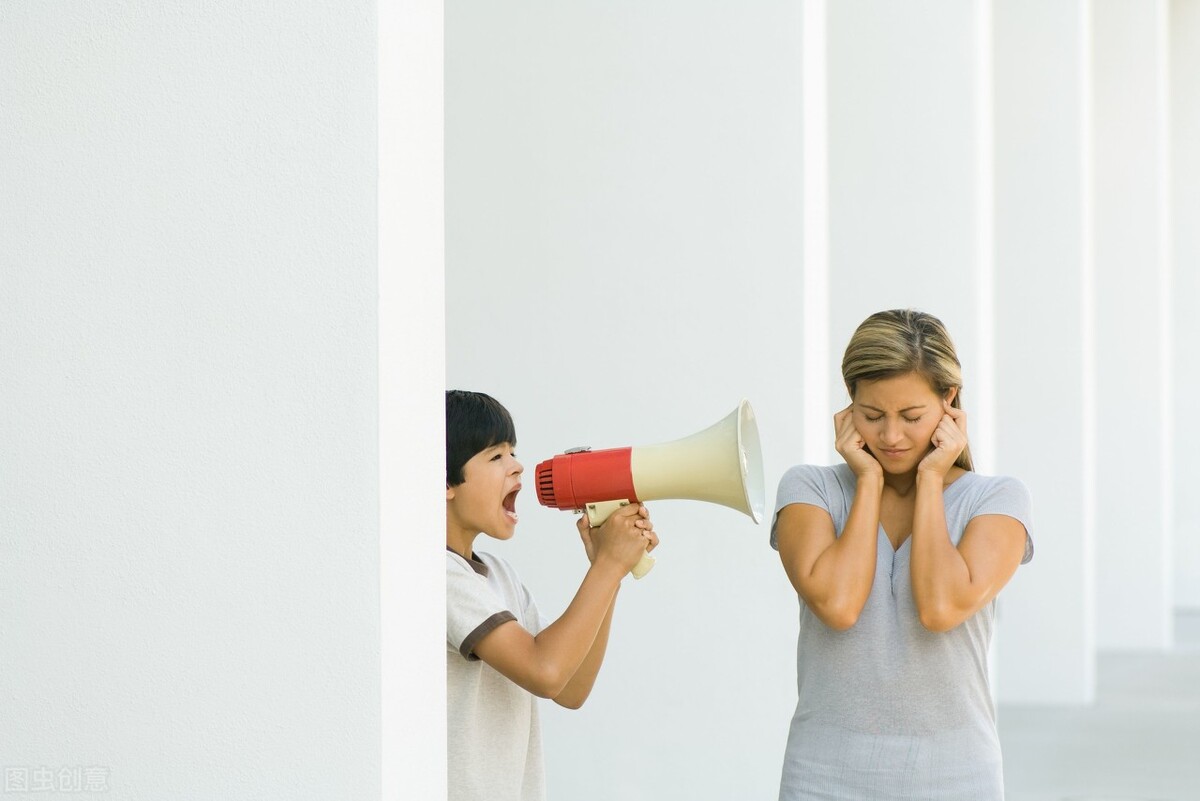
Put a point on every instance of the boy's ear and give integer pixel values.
(449, 492)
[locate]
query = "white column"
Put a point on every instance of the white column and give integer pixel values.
(1045, 395)
(1133, 392)
(1185, 253)
(819, 373)
(188, 384)
(908, 176)
(412, 376)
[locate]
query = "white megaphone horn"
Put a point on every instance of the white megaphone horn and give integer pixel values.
(721, 464)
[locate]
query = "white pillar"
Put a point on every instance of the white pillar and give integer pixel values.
(1133, 393)
(1185, 253)
(1044, 380)
(412, 377)
(819, 373)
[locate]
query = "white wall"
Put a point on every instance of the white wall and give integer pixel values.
(1185, 272)
(903, 174)
(189, 556)
(908, 180)
(622, 267)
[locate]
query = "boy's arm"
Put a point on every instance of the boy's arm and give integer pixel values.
(580, 686)
(545, 664)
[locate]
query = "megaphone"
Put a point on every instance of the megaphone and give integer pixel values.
(721, 464)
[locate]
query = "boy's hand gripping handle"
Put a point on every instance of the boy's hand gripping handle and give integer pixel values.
(598, 512)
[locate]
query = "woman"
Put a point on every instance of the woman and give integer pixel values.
(897, 556)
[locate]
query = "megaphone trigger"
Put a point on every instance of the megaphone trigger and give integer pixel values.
(600, 511)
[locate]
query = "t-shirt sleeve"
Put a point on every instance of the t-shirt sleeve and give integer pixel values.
(801, 484)
(533, 615)
(473, 609)
(1009, 496)
(518, 595)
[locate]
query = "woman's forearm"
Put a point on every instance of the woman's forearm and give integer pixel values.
(841, 578)
(939, 574)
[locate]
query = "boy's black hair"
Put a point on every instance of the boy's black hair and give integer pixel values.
(474, 422)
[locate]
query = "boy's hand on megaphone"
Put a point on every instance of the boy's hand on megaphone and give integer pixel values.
(622, 539)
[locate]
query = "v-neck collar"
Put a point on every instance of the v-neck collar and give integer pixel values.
(888, 540)
(903, 543)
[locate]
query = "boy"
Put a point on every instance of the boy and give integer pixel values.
(500, 652)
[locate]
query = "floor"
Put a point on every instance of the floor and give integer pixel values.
(1139, 742)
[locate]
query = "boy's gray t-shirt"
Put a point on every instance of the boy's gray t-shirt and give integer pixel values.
(888, 709)
(494, 740)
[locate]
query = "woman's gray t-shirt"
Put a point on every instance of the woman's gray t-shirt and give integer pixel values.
(888, 709)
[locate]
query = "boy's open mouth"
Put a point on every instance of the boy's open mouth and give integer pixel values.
(510, 504)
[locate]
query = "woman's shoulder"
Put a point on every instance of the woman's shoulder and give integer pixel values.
(803, 481)
(997, 495)
(819, 472)
(974, 494)
(980, 484)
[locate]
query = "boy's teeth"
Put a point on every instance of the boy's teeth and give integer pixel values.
(512, 515)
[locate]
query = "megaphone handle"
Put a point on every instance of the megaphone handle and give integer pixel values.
(643, 566)
(600, 511)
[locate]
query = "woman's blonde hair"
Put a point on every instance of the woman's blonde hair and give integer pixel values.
(901, 341)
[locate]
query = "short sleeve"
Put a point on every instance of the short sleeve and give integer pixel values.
(1009, 496)
(803, 483)
(520, 599)
(473, 609)
(533, 615)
